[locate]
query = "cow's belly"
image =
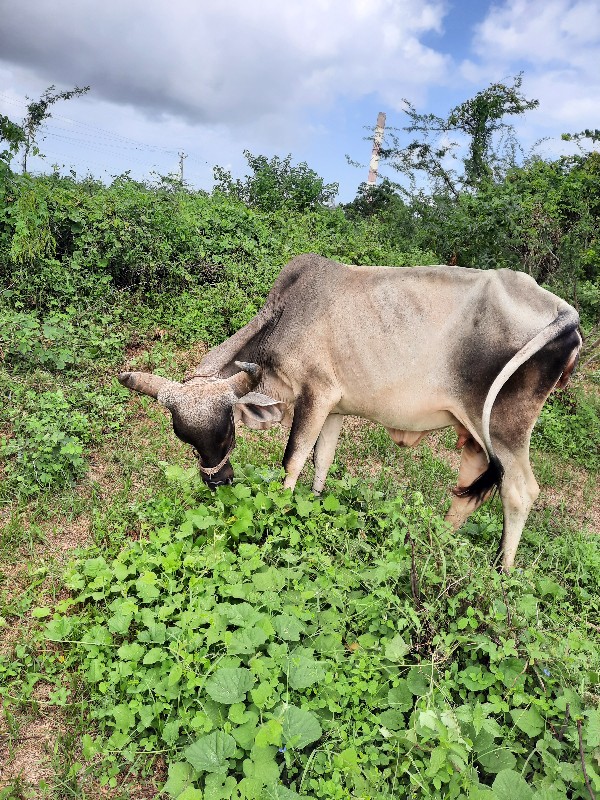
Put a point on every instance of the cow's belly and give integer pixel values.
(417, 411)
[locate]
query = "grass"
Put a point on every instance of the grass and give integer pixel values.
(127, 494)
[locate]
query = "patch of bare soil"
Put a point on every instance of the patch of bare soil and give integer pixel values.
(577, 497)
(26, 750)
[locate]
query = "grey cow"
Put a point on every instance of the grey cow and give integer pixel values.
(415, 349)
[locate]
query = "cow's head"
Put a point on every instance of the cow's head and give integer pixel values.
(204, 411)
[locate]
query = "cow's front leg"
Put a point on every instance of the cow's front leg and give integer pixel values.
(310, 414)
(325, 450)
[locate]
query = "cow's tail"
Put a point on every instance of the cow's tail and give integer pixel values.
(567, 320)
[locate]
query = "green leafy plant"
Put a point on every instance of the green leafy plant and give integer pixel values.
(283, 646)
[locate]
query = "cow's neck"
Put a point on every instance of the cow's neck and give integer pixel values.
(252, 343)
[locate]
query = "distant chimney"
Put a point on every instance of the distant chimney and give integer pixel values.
(373, 166)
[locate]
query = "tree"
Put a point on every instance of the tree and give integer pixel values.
(375, 200)
(12, 136)
(37, 113)
(275, 184)
(477, 125)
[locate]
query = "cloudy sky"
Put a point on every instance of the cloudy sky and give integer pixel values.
(282, 76)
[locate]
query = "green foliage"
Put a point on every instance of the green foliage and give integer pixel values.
(570, 426)
(50, 431)
(478, 120)
(270, 654)
(38, 112)
(275, 185)
(12, 136)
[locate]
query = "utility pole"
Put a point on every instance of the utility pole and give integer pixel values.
(182, 156)
(377, 139)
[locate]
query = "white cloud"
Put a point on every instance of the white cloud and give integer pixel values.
(229, 62)
(557, 44)
(542, 32)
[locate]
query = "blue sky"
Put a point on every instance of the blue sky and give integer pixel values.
(304, 77)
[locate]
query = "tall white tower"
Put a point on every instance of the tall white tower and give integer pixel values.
(377, 139)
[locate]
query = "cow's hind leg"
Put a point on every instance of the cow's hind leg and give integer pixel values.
(325, 450)
(473, 463)
(518, 492)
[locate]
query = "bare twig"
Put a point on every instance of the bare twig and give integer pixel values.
(414, 581)
(539, 677)
(563, 727)
(582, 756)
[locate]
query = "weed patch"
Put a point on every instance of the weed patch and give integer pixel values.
(270, 645)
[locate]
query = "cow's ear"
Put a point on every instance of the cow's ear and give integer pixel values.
(259, 411)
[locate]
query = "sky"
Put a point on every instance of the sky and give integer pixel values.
(306, 77)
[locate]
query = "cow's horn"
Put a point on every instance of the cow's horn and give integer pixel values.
(245, 381)
(144, 382)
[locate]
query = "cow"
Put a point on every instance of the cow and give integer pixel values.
(415, 349)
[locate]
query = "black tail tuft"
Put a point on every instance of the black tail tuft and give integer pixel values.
(481, 486)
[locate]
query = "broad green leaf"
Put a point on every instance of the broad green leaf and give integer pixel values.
(59, 629)
(250, 789)
(548, 586)
(437, 759)
(279, 792)
(269, 580)
(396, 649)
(528, 720)
(120, 622)
(300, 727)
(400, 697)
(331, 503)
(246, 641)
(210, 753)
(241, 614)
(191, 793)
(155, 633)
(170, 733)
(347, 760)
(496, 758)
(245, 735)
(418, 679)
(476, 678)
(40, 613)
(175, 674)
(98, 635)
(229, 684)
(262, 765)
(154, 655)
(262, 694)
(591, 728)
(95, 670)
(392, 719)
(304, 671)
(130, 652)
(478, 717)
(305, 507)
(181, 776)
(328, 644)
(288, 628)
(239, 714)
(89, 747)
(218, 787)
(509, 785)
(270, 732)
(124, 717)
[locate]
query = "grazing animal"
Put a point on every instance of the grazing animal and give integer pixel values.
(415, 349)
